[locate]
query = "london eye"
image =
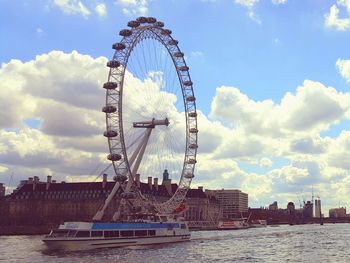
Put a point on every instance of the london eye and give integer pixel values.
(151, 117)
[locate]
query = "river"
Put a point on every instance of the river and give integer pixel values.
(301, 243)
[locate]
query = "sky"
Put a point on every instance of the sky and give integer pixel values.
(271, 80)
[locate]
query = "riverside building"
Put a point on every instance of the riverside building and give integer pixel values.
(48, 203)
(232, 202)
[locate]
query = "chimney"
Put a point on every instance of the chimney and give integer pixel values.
(137, 179)
(30, 180)
(36, 181)
(155, 183)
(48, 182)
(200, 188)
(104, 181)
(150, 183)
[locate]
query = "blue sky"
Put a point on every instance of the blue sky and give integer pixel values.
(265, 58)
(255, 52)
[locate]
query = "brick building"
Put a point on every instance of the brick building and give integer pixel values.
(36, 203)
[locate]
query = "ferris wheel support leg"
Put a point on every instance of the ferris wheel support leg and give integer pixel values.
(140, 154)
(100, 213)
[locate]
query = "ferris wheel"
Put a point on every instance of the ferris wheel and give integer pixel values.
(151, 117)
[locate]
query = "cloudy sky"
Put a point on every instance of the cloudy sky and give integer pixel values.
(271, 78)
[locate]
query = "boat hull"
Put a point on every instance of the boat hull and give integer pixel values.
(90, 243)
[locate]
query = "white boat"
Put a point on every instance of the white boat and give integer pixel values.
(91, 235)
(233, 224)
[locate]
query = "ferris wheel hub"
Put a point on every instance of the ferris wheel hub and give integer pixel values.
(151, 124)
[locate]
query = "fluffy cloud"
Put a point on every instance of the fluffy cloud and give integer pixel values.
(247, 3)
(100, 9)
(266, 148)
(333, 19)
(344, 68)
(134, 7)
(72, 7)
(279, 2)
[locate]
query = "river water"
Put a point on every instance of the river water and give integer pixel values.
(302, 243)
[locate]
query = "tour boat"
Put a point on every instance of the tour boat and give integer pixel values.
(258, 223)
(91, 235)
(233, 224)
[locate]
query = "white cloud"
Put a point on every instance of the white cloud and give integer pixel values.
(72, 7)
(279, 2)
(101, 9)
(265, 162)
(333, 19)
(247, 3)
(134, 7)
(39, 31)
(344, 68)
(63, 92)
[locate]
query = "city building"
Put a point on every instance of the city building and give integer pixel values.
(48, 203)
(318, 208)
(337, 212)
(232, 202)
(308, 210)
(273, 206)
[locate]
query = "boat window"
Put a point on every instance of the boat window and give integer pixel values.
(59, 233)
(183, 226)
(111, 233)
(96, 233)
(141, 233)
(72, 233)
(127, 233)
(151, 232)
(83, 234)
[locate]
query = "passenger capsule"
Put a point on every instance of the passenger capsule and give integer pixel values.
(113, 64)
(193, 130)
(109, 109)
(178, 54)
(142, 19)
(159, 24)
(110, 134)
(133, 24)
(192, 114)
(151, 20)
(190, 98)
(110, 85)
(193, 146)
(166, 32)
(125, 33)
(173, 42)
(118, 46)
(188, 83)
(184, 68)
(191, 161)
(114, 157)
